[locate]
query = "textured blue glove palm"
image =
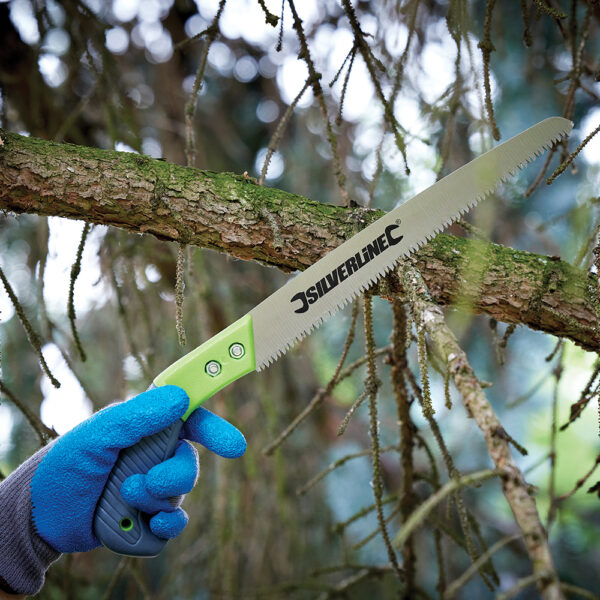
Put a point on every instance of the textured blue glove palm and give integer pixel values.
(70, 478)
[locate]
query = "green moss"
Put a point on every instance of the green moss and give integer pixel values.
(448, 249)
(226, 186)
(557, 273)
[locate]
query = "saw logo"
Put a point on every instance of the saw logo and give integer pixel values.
(347, 268)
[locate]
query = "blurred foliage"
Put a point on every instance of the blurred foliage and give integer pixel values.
(120, 75)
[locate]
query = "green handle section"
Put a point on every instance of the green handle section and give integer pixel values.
(218, 362)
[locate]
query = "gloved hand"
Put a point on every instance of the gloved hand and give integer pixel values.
(70, 478)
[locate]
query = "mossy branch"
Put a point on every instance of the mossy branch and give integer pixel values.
(226, 212)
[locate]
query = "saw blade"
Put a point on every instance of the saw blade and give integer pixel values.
(306, 300)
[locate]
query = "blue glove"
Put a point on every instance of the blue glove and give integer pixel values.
(69, 480)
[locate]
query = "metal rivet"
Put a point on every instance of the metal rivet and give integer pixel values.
(126, 524)
(236, 350)
(213, 368)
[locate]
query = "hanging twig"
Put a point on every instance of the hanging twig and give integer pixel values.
(526, 31)
(363, 512)
(557, 372)
(371, 63)
(486, 47)
(179, 289)
(44, 433)
(41, 272)
(533, 185)
(127, 326)
(315, 81)
(372, 385)
(355, 405)
(270, 18)
(561, 168)
(280, 36)
(190, 106)
(75, 270)
(522, 584)
(423, 510)
(550, 10)
(32, 336)
(580, 482)
(407, 431)
(190, 155)
(586, 396)
(278, 133)
(338, 120)
(455, 585)
(336, 464)
(322, 393)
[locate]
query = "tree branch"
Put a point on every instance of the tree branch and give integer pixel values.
(231, 214)
(514, 487)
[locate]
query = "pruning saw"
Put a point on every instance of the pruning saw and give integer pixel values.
(303, 303)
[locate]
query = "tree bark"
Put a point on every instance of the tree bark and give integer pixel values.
(230, 213)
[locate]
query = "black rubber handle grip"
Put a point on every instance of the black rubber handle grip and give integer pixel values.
(120, 527)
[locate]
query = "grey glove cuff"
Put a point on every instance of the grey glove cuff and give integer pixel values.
(24, 555)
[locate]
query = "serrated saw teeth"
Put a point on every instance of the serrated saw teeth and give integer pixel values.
(293, 311)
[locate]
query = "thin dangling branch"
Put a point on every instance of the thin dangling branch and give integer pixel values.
(32, 335)
(45, 434)
(179, 289)
(75, 270)
(372, 385)
(486, 47)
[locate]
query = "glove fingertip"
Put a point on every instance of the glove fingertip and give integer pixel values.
(133, 488)
(171, 397)
(232, 446)
(215, 433)
(169, 525)
(175, 476)
(124, 424)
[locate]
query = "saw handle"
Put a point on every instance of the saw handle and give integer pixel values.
(202, 372)
(119, 526)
